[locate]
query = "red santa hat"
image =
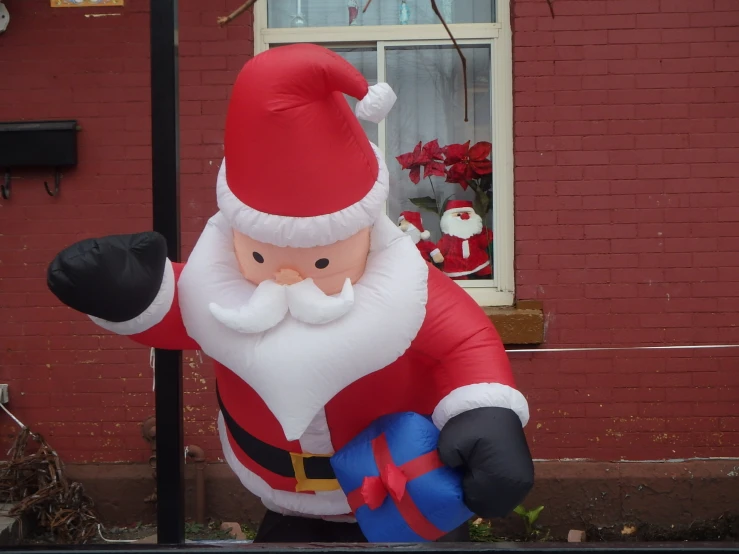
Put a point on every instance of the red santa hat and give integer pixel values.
(299, 169)
(414, 218)
(456, 206)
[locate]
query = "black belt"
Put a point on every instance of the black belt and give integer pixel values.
(270, 457)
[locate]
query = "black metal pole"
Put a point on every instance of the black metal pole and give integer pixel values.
(166, 208)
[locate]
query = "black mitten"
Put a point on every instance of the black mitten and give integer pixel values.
(113, 278)
(490, 445)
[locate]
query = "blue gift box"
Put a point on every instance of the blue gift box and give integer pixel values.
(396, 484)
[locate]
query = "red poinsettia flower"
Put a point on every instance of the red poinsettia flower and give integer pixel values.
(430, 157)
(468, 163)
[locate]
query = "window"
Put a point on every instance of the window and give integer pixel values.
(402, 43)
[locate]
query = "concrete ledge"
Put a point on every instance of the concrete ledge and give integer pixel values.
(521, 324)
(574, 493)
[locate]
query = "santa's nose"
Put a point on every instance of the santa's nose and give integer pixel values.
(287, 276)
(464, 216)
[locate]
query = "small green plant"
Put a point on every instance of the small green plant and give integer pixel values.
(482, 531)
(249, 533)
(529, 518)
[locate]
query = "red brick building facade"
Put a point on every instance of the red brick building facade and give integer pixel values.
(626, 219)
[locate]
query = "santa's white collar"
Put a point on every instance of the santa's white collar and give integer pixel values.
(297, 368)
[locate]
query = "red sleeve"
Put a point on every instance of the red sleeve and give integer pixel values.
(169, 333)
(472, 368)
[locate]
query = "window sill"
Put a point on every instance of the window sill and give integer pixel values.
(520, 324)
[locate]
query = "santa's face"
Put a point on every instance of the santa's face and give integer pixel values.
(462, 223)
(328, 266)
(410, 230)
(304, 282)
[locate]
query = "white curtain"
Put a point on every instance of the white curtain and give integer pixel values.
(428, 82)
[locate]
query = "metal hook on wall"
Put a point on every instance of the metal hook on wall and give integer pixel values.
(5, 187)
(57, 179)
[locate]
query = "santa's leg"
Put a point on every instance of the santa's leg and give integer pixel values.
(277, 528)
(460, 534)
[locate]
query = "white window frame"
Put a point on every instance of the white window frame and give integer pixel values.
(500, 290)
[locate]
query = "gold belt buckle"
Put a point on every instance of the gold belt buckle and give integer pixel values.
(311, 485)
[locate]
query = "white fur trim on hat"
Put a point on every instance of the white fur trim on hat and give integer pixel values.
(304, 232)
(425, 235)
(376, 104)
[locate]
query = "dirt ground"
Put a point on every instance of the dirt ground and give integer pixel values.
(724, 528)
(144, 533)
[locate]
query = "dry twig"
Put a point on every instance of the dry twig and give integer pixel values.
(236, 13)
(37, 486)
(459, 51)
(551, 7)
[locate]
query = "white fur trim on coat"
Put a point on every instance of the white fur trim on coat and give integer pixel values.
(333, 503)
(304, 232)
(482, 395)
(153, 315)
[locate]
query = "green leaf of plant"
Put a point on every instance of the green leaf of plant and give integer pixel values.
(534, 514)
(481, 204)
(520, 510)
(425, 203)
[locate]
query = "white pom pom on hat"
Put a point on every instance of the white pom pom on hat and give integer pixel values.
(378, 102)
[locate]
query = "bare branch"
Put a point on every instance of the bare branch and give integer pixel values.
(236, 13)
(366, 5)
(551, 8)
(459, 50)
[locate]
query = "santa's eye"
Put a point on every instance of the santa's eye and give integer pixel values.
(258, 257)
(322, 263)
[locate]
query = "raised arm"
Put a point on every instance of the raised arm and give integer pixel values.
(126, 284)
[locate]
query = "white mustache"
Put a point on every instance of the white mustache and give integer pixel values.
(271, 302)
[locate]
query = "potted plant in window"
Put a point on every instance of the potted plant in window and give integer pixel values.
(466, 243)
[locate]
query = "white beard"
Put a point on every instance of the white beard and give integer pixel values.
(414, 233)
(455, 227)
(294, 366)
(270, 303)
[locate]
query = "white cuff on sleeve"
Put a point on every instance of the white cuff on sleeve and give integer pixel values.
(482, 395)
(153, 315)
(435, 252)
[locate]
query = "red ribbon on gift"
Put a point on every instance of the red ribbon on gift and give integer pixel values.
(392, 482)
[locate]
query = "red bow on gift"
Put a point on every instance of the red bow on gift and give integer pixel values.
(391, 481)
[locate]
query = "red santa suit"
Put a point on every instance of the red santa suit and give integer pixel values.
(464, 243)
(419, 235)
(296, 393)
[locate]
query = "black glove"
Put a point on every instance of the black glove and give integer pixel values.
(489, 444)
(113, 278)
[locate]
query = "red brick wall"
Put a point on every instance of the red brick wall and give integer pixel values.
(627, 140)
(85, 390)
(627, 222)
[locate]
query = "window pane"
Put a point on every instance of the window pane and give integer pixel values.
(428, 82)
(336, 13)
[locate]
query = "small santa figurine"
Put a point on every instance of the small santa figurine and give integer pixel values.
(464, 242)
(412, 225)
(318, 313)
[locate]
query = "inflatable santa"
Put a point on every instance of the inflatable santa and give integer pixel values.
(464, 242)
(412, 225)
(320, 316)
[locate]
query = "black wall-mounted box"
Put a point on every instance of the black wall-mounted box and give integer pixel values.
(38, 144)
